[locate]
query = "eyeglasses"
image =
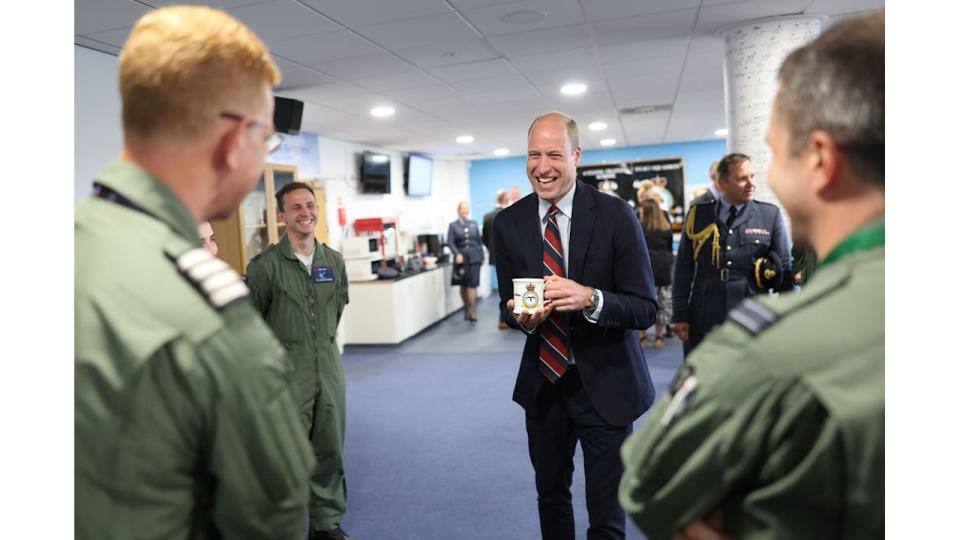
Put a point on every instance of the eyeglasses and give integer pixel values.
(272, 143)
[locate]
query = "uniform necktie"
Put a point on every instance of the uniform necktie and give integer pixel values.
(732, 216)
(554, 346)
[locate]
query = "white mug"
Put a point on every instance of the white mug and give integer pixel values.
(527, 294)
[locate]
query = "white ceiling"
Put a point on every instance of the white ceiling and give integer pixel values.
(455, 67)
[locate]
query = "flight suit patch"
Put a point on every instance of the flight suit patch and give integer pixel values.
(322, 274)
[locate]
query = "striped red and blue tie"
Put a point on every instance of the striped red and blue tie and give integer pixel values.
(554, 345)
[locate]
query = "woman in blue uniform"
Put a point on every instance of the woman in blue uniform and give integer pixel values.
(463, 237)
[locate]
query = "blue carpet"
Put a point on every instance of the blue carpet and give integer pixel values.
(436, 449)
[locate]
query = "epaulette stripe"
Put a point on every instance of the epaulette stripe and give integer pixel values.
(761, 311)
(220, 280)
(753, 316)
(212, 277)
(192, 258)
(228, 294)
(744, 320)
(206, 269)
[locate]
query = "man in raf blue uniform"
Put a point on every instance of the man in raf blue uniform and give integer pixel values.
(731, 248)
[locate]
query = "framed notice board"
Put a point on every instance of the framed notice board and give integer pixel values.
(622, 180)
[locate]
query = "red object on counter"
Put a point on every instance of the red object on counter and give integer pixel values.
(368, 225)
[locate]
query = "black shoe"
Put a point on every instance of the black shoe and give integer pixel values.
(333, 534)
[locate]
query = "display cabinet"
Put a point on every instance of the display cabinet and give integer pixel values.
(254, 225)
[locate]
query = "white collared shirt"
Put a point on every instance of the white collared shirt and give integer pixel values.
(724, 211)
(564, 217)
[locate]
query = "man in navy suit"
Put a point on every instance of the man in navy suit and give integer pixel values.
(582, 375)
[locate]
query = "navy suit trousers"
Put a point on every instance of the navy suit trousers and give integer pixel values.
(566, 416)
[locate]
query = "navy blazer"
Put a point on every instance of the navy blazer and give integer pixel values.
(607, 252)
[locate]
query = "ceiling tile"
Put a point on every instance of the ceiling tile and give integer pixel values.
(700, 97)
(832, 7)
(96, 45)
(673, 50)
(550, 83)
(644, 128)
(489, 86)
(222, 4)
(424, 94)
(600, 10)
(416, 32)
(550, 62)
(356, 13)
(115, 37)
(294, 76)
(365, 66)
(458, 50)
(714, 18)
(505, 95)
(468, 71)
(319, 48)
(464, 5)
(638, 91)
(489, 20)
(282, 19)
(543, 41)
(410, 79)
(92, 16)
(644, 28)
(322, 93)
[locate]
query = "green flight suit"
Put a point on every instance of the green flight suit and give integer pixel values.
(779, 420)
(304, 309)
(185, 424)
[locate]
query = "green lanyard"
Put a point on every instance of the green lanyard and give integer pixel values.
(866, 238)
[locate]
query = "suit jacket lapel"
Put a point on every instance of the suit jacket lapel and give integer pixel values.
(581, 230)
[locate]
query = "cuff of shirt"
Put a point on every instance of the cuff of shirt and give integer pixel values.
(594, 316)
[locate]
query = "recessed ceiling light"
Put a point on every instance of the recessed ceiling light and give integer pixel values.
(573, 89)
(722, 132)
(465, 139)
(501, 151)
(382, 111)
(597, 126)
(608, 142)
(524, 17)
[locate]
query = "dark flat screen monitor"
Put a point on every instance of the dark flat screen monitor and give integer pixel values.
(375, 173)
(419, 175)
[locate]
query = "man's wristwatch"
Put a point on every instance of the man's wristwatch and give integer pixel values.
(594, 300)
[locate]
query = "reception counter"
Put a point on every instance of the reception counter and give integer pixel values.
(390, 311)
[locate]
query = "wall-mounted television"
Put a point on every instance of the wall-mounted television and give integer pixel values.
(375, 173)
(419, 180)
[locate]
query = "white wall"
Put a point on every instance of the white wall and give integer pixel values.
(97, 132)
(415, 215)
(98, 139)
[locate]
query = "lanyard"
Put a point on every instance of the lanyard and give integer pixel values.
(101, 191)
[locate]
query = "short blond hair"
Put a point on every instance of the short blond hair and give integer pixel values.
(182, 63)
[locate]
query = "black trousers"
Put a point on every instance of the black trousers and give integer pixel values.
(567, 416)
